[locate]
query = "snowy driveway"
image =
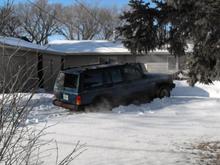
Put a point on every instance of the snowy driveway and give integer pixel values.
(156, 133)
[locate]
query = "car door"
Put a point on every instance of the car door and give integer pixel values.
(117, 89)
(92, 85)
(136, 83)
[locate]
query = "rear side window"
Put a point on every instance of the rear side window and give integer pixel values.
(93, 79)
(70, 80)
(106, 77)
(116, 75)
(132, 73)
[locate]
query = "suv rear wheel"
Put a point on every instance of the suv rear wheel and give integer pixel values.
(164, 92)
(100, 104)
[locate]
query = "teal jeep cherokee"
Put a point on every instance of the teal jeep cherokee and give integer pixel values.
(75, 88)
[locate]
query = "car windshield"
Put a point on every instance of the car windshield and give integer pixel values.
(67, 80)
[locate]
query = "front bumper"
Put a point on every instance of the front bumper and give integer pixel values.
(66, 105)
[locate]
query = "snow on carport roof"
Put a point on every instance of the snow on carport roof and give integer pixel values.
(75, 46)
(19, 43)
(88, 46)
(91, 46)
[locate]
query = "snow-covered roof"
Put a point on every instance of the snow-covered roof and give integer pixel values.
(21, 43)
(72, 47)
(91, 46)
(88, 46)
(68, 46)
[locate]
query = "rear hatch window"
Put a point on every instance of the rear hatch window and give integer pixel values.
(66, 87)
(67, 80)
(70, 81)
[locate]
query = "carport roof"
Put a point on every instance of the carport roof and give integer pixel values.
(74, 47)
(92, 46)
(19, 43)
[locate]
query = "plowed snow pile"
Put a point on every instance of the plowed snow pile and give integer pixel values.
(157, 133)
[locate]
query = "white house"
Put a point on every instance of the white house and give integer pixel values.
(61, 54)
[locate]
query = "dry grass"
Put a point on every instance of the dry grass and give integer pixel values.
(208, 152)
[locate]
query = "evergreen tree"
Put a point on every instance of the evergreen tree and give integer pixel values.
(198, 21)
(185, 20)
(139, 32)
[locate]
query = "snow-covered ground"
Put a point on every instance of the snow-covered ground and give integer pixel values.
(159, 132)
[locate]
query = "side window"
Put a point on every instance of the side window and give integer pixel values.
(132, 73)
(93, 79)
(107, 77)
(116, 75)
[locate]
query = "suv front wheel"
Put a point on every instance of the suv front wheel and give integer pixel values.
(164, 92)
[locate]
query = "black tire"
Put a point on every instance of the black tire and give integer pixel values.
(164, 92)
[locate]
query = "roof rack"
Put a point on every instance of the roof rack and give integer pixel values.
(82, 66)
(92, 66)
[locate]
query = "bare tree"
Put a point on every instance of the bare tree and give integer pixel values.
(81, 21)
(85, 21)
(69, 19)
(109, 18)
(21, 143)
(38, 20)
(9, 23)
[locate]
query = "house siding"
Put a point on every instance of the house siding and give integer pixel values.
(160, 63)
(53, 62)
(15, 62)
(51, 68)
